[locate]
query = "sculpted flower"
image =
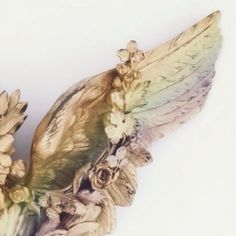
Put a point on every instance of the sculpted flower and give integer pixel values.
(127, 73)
(131, 53)
(101, 176)
(18, 169)
(19, 194)
(120, 126)
(107, 172)
(123, 69)
(130, 57)
(119, 160)
(134, 74)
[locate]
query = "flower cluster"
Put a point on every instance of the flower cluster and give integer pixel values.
(118, 123)
(119, 126)
(107, 172)
(130, 57)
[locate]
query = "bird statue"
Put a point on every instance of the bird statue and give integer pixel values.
(87, 148)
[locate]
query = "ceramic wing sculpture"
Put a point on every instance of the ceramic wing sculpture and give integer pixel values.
(86, 149)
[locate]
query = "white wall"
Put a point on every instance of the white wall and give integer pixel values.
(47, 45)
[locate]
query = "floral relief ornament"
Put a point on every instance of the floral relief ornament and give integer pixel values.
(130, 57)
(120, 126)
(87, 149)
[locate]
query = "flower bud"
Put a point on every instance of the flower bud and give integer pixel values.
(19, 194)
(18, 169)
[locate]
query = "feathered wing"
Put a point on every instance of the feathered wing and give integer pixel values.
(179, 76)
(71, 134)
(164, 90)
(172, 87)
(11, 118)
(175, 79)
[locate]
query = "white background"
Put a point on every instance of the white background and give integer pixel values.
(47, 45)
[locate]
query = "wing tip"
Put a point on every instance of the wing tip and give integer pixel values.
(212, 20)
(216, 14)
(214, 17)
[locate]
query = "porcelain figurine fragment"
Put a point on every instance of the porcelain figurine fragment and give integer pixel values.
(87, 148)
